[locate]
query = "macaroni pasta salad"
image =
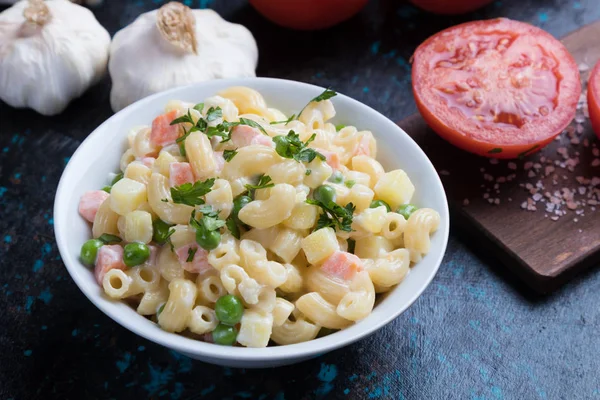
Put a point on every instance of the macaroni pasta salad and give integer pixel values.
(233, 223)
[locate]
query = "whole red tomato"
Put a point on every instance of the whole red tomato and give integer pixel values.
(594, 98)
(308, 14)
(450, 6)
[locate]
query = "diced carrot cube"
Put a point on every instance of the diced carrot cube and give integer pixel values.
(199, 263)
(342, 265)
(90, 202)
(180, 173)
(109, 257)
(163, 133)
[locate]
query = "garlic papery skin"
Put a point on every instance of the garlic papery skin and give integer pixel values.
(50, 53)
(177, 46)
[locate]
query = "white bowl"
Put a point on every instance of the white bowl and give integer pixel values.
(99, 155)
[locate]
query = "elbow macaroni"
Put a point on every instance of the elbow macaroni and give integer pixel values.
(291, 266)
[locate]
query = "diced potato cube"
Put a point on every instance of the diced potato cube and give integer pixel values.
(304, 216)
(127, 195)
(372, 247)
(319, 245)
(371, 219)
(138, 227)
(395, 188)
(360, 195)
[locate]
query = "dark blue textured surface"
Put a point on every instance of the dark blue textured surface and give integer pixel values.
(475, 333)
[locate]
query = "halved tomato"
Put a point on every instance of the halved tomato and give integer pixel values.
(594, 98)
(450, 6)
(498, 88)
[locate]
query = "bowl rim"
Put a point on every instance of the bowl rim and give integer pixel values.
(228, 353)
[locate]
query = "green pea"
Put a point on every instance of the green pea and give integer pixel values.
(117, 178)
(336, 177)
(224, 335)
(239, 203)
(406, 210)
(89, 251)
(324, 194)
(229, 309)
(379, 203)
(160, 232)
(135, 254)
(208, 240)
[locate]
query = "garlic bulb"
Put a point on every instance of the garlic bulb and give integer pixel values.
(50, 53)
(176, 46)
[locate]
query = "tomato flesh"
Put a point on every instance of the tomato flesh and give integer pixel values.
(497, 88)
(450, 6)
(308, 14)
(594, 99)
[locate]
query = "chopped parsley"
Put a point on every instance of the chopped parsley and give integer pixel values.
(349, 183)
(233, 227)
(495, 150)
(264, 182)
(191, 253)
(308, 172)
(213, 114)
(229, 154)
(107, 238)
(334, 215)
(287, 121)
(339, 127)
(209, 222)
(224, 129)
(327, 94)
(191, 194)
(291, 146)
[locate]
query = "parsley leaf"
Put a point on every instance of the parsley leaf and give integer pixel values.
(107, 238)
(327, 94)
(287, 121)
(209, 222)
(263, 183)
(191, 253)
(191, 194)
(254, 124)
(199, 107)
(291, 146)
(334, 215)
(233, 227)
(199, 125)
(229, 154)
(339, 127)
(214, 113)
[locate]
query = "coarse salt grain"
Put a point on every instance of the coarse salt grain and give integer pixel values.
(554, 218)
(595, 162)
(528, 165)
(493, 161)
(512, 165)
(531, 174)
(444, 172)
(465, 202)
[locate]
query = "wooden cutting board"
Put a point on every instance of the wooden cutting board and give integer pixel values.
(487, 197)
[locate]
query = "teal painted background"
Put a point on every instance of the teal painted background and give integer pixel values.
(476, 332)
